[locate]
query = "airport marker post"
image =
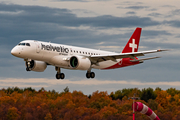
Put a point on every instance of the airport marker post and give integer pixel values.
(134, 98)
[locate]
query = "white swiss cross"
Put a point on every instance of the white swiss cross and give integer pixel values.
(133, 45)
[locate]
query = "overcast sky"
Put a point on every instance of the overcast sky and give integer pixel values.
(98, 24)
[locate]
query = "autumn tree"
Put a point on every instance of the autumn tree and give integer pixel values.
(119, 94)
(152, 104)
(48, 116)
(12, 114)
(28, 104)
(163, 98)
(99, 100)
(147, 94)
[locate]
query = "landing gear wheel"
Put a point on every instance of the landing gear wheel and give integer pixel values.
(29, 64)
(62, 76)
(28, 69)
(58, 76)
(88, 75)
(92, 74)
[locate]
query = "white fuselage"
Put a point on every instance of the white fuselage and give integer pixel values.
(44, 51)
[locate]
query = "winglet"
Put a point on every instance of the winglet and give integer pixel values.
(162, 50)
(133, 43)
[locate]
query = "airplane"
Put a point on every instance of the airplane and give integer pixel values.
(37, 55)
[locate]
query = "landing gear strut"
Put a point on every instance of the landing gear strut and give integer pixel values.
(90, 74)
(59, 75)
(29, 65)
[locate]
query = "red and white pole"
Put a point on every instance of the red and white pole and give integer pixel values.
(133, 107)
(133, 110)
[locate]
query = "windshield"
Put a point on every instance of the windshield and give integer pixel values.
(24, 44)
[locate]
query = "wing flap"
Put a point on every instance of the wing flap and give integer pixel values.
(141, 60)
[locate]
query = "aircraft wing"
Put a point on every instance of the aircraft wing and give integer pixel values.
(113, 57)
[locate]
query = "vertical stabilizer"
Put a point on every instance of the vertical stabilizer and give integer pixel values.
(133, 43)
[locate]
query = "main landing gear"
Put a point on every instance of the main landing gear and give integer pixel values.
(59, 75)
(90, 74)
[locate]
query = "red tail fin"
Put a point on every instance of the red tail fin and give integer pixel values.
(133, 43)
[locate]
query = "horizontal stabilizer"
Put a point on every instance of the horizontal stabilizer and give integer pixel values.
(141, 60)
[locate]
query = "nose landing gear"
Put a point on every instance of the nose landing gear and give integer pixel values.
(29, 64)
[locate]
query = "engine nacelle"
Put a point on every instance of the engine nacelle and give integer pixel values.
(61, 61)
(80, 62)
(38, 66)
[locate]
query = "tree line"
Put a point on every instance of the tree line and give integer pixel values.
(29, 104)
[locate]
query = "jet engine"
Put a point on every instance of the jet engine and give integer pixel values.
(38, 66)
(80, 62)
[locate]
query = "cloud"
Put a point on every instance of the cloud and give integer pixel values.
(111, 47)
(154, 14)
(79, 0)
(168, 6)
(111, 21)
(131, 2)
(72, 0)
(36, 14)
(90, 85)
(137, 7)
(155, 33)
(18, 22)
(131, 13)
(50, 82)
(173, 23)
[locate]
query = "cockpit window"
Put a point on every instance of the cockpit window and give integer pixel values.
(27, 44)
(24, 44)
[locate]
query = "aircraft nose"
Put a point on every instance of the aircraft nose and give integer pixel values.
(15, 51)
